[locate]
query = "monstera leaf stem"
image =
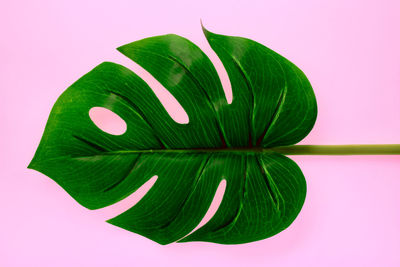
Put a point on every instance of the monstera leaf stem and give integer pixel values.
(387, 149)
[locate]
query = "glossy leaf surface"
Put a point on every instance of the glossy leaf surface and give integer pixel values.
(273, 105)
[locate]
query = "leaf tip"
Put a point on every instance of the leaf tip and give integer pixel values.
(205, 31)
(201, 23)
(114, 221)
(121, 48)
(31, 165)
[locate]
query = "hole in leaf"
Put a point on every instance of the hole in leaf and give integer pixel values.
(107, 121)
(174, 109)
(219, 194)
(226, 84)
(171, 105)
(221, 71)
(223, 76)
(126, 203)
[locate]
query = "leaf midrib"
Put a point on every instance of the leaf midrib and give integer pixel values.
(236, 150)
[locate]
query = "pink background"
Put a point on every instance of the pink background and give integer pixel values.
(348, 49)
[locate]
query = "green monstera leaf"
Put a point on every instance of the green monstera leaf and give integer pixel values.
(273, 105)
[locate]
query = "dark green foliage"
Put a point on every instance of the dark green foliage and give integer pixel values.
(273, 105)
